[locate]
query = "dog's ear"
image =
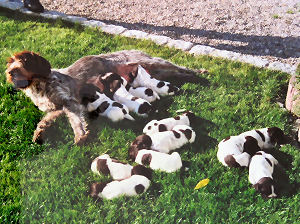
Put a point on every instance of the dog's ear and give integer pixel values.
(256, 186)
(34, 63)
(277, 136)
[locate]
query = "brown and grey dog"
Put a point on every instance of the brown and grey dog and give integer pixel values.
(56, 92)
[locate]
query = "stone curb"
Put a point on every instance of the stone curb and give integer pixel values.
(195, 49)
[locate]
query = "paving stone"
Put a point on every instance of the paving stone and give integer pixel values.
(112, 29)
(75, 19)
(201, 50)
(52, 14)
(180, 44)
(93, 23)
(160, 40)
(282, 67)
(12, 5)
(225, 54)
(135, 34)
(2, 2)
(257, 61)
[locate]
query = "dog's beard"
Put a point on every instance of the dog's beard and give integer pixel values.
(21, 84)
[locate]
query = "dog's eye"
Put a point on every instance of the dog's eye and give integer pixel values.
(14, 73)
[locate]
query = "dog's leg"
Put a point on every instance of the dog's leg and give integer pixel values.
(78, 125)
(46, 122)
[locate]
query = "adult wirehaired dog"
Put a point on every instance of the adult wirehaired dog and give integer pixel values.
(56, 91)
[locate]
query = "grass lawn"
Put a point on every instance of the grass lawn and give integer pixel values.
(49, 183)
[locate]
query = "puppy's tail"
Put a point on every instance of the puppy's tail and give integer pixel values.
(129, 117)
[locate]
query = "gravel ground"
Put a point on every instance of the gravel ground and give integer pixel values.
(269, 28)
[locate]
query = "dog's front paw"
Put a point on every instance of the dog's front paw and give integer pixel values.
(38, 136)
(80, 140)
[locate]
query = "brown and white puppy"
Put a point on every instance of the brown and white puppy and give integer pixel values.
(143, 92)
(143, 78)
(132, 186)
(51, 91)
(159, 161)
(168, 124)
(236, 151)
(103, 105)
(260, 174)
(54, 91)
(104, 165)
(114, 86)
(163, 141)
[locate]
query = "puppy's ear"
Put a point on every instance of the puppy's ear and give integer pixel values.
(277, 136)
(256, 186)
(34, 63)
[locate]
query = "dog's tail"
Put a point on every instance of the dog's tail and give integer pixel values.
(129, 117)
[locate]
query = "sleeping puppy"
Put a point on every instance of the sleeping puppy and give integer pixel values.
(168, 124)
(260, 174)
(143, 92)
(159, 161)
(236, 151)
(103, 105)
(143, 78)
(114, 85)
(163, 141)
(268, 137)
(105, 165)
(170, 140)
(132, 186)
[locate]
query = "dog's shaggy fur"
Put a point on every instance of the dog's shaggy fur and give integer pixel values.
(56, 91)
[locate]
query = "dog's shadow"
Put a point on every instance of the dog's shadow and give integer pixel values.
(203, 141)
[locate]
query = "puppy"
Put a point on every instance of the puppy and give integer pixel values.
(260, 174)
(236, 151)
(168, 124)
(144, 93)
(103, 105)
(163, 141)
(132, 186)
(267, 138)
(105, 165)
(170, 140)
(115, 85)
(159, 161)
(143, 78)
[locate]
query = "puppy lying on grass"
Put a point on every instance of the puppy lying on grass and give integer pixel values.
(168, 124)
(163, 142)
(261, 174)
(159, 161)
(101, 104)
(132, 186)
(104, 165)
(236, 151)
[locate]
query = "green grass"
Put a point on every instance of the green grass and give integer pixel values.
(49, 183)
